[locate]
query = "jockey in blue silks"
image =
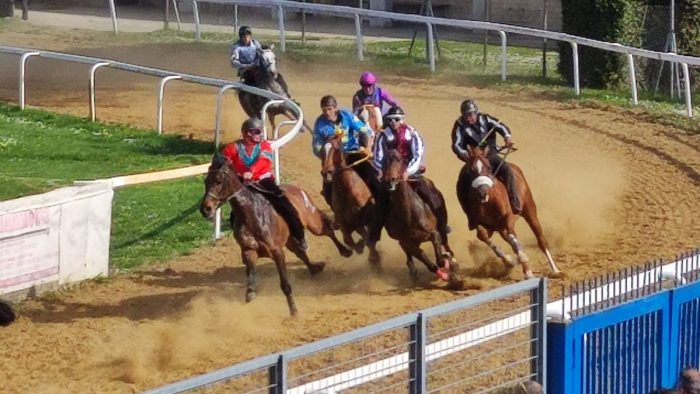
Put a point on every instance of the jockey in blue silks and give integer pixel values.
(357, 140)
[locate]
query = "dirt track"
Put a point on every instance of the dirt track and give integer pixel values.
(611, 191)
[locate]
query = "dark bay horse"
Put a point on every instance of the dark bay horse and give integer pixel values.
(267, 77)
(259, 230)
(351, 198)
(411, 222)
(484, 199)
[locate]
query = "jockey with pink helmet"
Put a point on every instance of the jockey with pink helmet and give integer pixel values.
(372, 94)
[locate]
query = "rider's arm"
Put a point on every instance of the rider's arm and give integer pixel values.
(388, 98)
(318, 138)
(356, 104)
(378, 153)
(235, 58)
(493, 123)
(457, 138)
(418, 149)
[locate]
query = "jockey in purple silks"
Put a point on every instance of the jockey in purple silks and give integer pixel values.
(372, 94)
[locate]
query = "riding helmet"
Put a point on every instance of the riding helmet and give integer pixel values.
(252, 124)
(244, 30)
(368, 78)
(328, 101)
(469, 107)
(394, 113)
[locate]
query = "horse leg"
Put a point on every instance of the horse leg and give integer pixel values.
(249, 257)
(350, 242)
(412, 271)
(324, 227)
(509, 236)
(278, 257)
(374, 257)
(530, 216)
(314, 268)
(485, 236)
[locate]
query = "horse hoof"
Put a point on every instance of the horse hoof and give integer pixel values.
(250, 296)
(456, 284)
(345, 252)
(317, 268)
(529, 275)
(374, 257)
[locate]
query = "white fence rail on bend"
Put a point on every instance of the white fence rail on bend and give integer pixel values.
(500, 28)
(95, 63)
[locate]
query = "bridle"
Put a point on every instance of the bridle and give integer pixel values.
(219, 200)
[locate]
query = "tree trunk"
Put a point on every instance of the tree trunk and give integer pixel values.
(7, 8)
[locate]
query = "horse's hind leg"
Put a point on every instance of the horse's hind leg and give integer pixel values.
(485, 236)
(374, 257)
(327, 230)
(412, 271)
(530, 216)
(510, 237)
(249, 257)
(314, 268)
(278, 257)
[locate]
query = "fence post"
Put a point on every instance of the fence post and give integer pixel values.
(197, 32)
(633, 79)
(277, 376)
(93, 70)
(417, 370)
(358, 37)
(504, 55)
(113, 13)
(431, 47)
(280, 21)
(235, 18)
(574, 49)
(22, 66)
(538, 348)
(688, 97)
(562, 365)
(161, 92)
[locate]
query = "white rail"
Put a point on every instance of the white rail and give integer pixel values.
(165, 76)
(429, 22)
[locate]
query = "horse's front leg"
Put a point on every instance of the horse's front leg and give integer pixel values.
(278, 257)
(485, 236)
(374, 257)
(249, 257)
(510, 237)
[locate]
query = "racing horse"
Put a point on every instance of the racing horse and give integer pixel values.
(266, 76)
(351, 199)
(484, 199)
(258, 229)
(410, 221)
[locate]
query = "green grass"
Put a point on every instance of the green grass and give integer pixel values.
(40, 151)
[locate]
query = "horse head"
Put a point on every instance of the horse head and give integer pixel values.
(480, 169)
(393, 169)
(220, 185)
(333, 157)
(268, 61)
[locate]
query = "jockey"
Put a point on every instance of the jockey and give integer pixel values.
(372, 94)
(476, 129)
(251, 157)
(406, 139)
(244, 55)
(357, 140)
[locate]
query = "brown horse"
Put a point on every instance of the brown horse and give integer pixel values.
(484, 199)
(267, 77)
(372, 115)
(259, 229)
(411, 222)
(351, 199)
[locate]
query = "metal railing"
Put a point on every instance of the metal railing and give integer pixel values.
(432, 350)
(166, 76)
(430, 22)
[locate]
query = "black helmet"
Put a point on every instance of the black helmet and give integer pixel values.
(393, 113)
(328, 101)
(468, 107)
(252, 124)
(244, 30)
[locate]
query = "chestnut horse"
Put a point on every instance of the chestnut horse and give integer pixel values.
(258, 229)
(267, 77)
(484, 199)
(372, 115)
(351, 199)
(410, 221)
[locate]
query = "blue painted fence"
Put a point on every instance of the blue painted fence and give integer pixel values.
(635, 346)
